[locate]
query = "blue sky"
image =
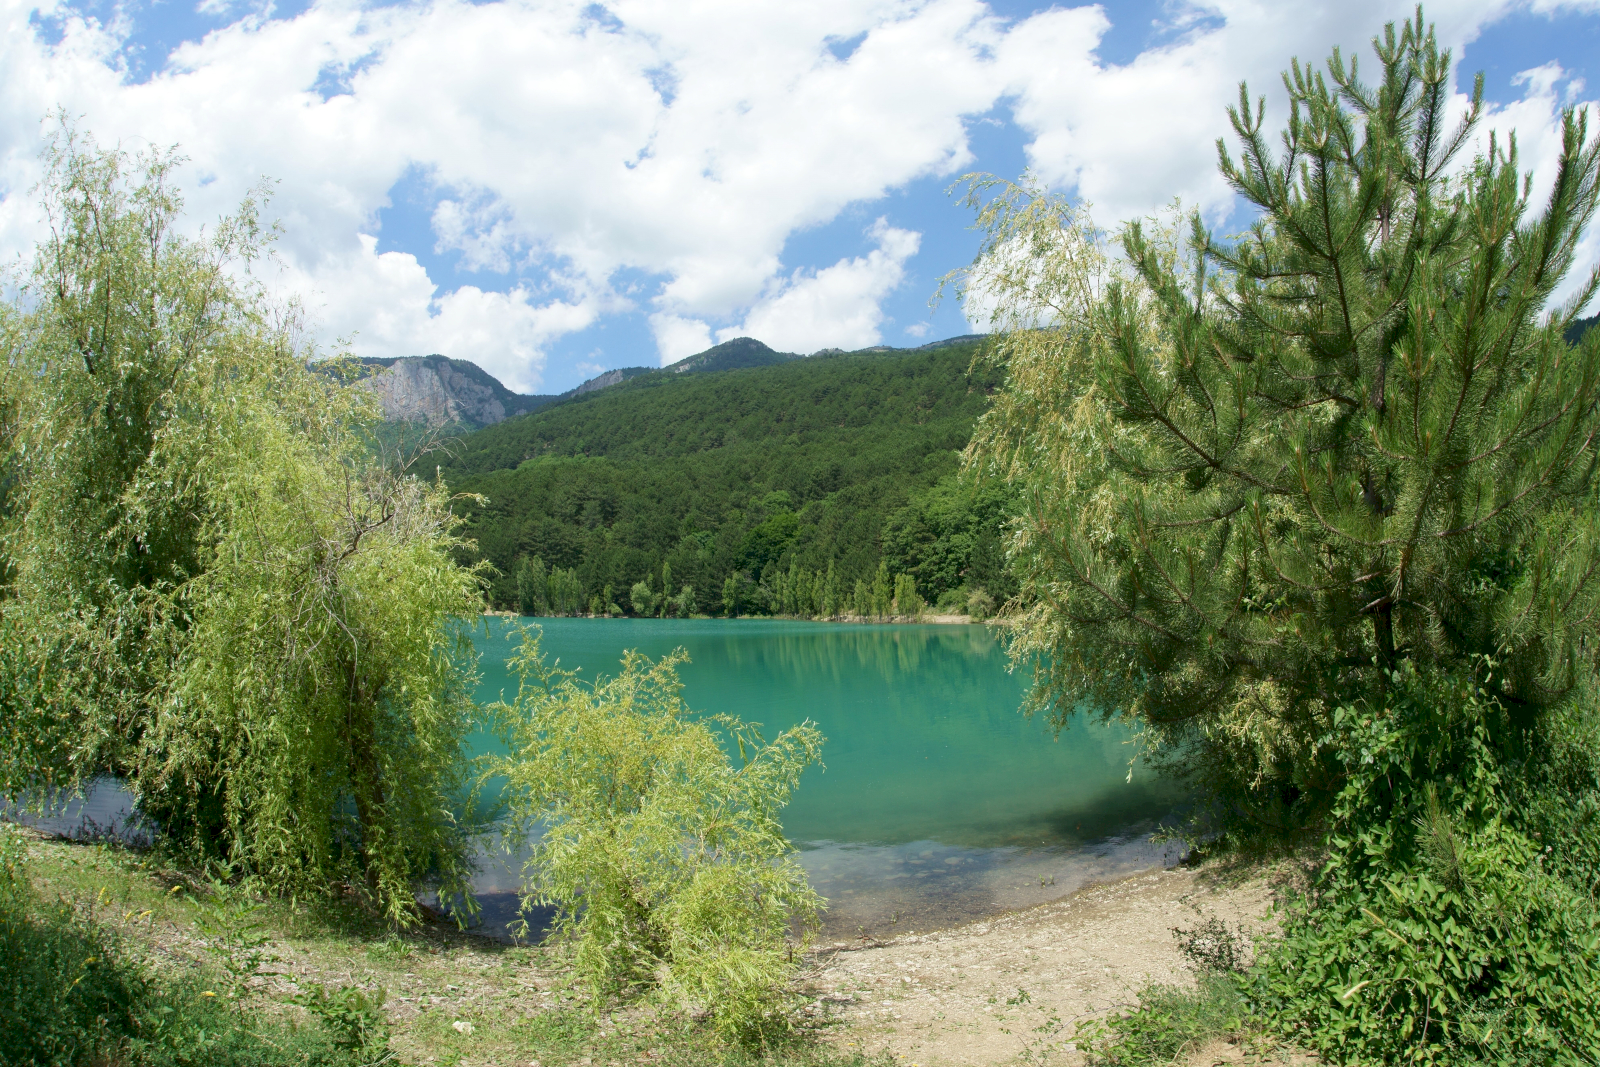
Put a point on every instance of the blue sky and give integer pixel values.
(552, 189)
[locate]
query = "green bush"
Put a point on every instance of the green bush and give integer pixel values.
(664, 856)
(1440, 931)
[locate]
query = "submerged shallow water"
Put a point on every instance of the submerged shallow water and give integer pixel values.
(939, 801)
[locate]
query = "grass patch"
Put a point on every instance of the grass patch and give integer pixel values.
(1174, 1024)
(176, 936)
(1171, 1024)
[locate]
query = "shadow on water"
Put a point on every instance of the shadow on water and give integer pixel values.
(105, 812)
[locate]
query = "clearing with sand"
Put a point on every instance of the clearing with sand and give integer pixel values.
(1012, 989)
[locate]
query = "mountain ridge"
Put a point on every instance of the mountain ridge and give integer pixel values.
(441, 391)
(835, 463)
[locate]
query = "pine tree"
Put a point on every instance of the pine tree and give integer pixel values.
(532, 587)
(1259, 476)
(882, 591)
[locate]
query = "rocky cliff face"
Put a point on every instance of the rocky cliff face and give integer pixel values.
(438, 390)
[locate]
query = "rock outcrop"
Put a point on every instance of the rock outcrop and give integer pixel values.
(438, 391)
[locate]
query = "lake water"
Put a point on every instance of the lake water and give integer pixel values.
(939, 801)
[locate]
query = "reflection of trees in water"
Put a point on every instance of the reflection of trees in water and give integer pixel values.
(963, 654)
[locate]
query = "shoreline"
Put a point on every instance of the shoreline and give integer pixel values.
(950, 998)
(852, 620)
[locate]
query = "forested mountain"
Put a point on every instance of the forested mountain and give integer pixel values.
(765, 475)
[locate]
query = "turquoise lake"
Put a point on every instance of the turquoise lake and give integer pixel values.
(939, 800)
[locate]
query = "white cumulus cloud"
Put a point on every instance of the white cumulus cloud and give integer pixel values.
(836, 307)
(585, 159)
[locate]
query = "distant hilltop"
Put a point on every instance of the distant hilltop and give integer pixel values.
(441, 391)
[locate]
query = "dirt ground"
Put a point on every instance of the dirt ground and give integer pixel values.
(1011, 990)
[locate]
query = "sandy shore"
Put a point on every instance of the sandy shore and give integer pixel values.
(955, 997)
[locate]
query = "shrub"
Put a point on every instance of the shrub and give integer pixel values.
(664, 856)
(1438, 932)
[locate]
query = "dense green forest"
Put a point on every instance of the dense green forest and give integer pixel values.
(741, 485)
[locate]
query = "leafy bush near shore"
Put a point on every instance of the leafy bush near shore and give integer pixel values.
(1444, 929)
(1454, 921)
(665, 857)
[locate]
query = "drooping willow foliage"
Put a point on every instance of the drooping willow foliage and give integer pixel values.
(214, 587)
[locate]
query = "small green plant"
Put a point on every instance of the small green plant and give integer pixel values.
(1172, 1022)
(1044, 1038)
(1214, 947)
(234, 933)
(664, 855)
(392, 948)
(355, 1017)
(1169, 1023)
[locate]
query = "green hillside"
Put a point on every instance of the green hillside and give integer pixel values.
(756, 473)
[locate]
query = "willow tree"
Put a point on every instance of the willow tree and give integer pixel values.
(214, 590)
(1262, 474)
